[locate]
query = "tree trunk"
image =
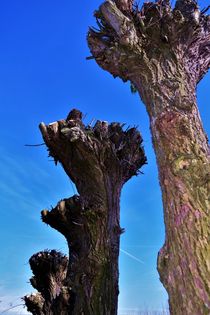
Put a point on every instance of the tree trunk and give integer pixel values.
(165, 52)
(99, 161)
(182, 155)
(183, 262)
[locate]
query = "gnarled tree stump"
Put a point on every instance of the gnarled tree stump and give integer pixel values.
(99, 160)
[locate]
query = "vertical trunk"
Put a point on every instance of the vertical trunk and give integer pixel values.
(93, 235)
(183, 162)
(184, 261)
(99, 160)
(165, 52)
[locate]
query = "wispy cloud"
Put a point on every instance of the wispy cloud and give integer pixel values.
(16, 182)
(131, 256)
(26, 185)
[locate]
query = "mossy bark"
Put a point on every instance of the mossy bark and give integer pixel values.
(165, 52)
(99, 160)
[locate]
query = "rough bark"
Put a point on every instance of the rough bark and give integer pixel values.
(165, 52)
(99, 160)
(50, 270)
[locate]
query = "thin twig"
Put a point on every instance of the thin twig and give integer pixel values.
(34, 145)
(90, 57)
(8, 309)
(205, 10)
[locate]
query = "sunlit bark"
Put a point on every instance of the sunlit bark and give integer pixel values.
(99, 160)
(165, 52)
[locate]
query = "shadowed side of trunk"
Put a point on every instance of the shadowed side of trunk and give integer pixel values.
(99, 160)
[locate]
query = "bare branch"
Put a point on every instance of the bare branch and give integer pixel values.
(205, 10)
(121, 24)
(34, 145)
(10, 308)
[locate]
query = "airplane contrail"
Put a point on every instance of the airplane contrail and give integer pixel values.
(131, 256)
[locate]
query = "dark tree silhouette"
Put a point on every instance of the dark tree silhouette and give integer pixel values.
(165, 52)
(99, 160)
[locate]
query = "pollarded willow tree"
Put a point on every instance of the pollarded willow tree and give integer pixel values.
(165, 52)
(99, 160)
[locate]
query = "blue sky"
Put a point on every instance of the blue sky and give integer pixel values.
(43, 74)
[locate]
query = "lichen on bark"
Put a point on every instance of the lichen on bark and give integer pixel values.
(99, 160)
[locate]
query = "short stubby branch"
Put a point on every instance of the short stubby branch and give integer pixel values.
(49, 269)
(34, 303)
(71, 218)
(121, 24)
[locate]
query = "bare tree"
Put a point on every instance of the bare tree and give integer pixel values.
(99, 160)
(165, 52)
